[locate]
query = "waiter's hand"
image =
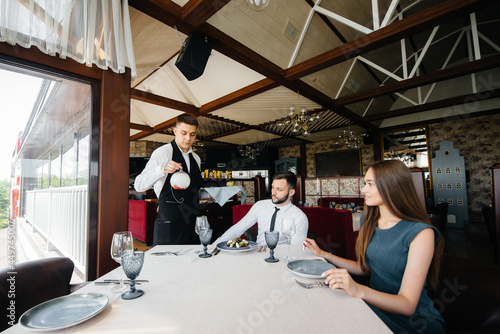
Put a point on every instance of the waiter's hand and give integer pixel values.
(170, 167)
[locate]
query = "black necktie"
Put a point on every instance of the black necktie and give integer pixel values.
(273, 219)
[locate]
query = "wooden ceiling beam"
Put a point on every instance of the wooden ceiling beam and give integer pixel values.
(463, 116)
(161, 101)
(197, 12)
(239, 95)
(142, 127)
(426, 79)
(164, 11)
(245, 56)
(445, 103)
(425, 19)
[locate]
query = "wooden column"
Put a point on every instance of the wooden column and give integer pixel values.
(419, 181)
(300, 192)
(495, 184)
(114, 162)
(378, 146)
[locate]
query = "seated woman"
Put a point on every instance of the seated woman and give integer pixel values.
(400, 250)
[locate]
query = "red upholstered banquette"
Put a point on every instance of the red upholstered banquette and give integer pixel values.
(332, 229)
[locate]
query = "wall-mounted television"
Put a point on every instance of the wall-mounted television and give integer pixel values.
(338, 163)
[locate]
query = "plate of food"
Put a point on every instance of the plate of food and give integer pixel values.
(309, 268)
(63, 312)
(237, 245)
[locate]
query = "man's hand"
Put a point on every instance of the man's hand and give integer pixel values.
(170, 167)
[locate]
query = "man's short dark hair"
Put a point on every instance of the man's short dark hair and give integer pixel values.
(186, 118)
(290, 177)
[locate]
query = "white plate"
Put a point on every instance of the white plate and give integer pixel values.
(63, 312)
(309, 268)
(224, 247)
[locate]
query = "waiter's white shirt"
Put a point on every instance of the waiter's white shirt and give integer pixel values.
(262, 212)
(153, 174)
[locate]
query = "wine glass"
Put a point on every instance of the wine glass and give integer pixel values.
(201, 224)
(272, 238)
(205, 238)
(132, 264)
(122, 243)
(288, 231)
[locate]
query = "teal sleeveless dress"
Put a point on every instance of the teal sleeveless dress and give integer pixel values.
(387, 254)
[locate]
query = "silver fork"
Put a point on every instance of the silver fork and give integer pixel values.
(167, 253)
(311, 285)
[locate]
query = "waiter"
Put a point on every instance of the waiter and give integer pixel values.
(177, 209)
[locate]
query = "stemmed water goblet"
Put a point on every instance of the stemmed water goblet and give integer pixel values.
(201, 224)
(272, 238)
(205, 238)
(288, 231)
(121, 244)
(132, 264)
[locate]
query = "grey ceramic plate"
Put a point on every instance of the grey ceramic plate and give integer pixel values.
(223, 246)
(309, 268)
(64, 311)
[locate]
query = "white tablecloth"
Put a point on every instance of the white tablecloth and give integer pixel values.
(227, 293)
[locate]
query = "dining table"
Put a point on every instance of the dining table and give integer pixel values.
(234, 291)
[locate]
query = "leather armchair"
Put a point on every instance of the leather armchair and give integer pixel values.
(468, 296)
(32, 283)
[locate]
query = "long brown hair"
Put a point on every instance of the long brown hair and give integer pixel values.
(395, 185)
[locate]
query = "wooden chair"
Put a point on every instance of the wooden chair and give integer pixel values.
(31, 283)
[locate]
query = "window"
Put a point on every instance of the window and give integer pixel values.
(440, 186)
(459, 185)
(449, 186)
(439, 171)
(450, 201)
(440, 200)
(447, 170)
(458, 170)
(53, 164)
(460, 201)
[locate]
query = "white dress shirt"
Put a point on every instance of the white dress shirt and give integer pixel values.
(153, 174)
(261, 212)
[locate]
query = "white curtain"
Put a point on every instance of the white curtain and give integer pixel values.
(88, 31)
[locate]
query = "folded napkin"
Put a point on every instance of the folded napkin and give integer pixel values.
(222, 194)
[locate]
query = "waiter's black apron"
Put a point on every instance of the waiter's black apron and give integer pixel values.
(174, 224)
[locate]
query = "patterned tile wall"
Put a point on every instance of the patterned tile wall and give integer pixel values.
(478, 141)
(477, 138)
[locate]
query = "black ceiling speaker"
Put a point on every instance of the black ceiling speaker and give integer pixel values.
(193, 57)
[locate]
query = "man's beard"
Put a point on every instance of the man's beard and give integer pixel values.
(280, 200)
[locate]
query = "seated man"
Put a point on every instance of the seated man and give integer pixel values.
(283, 188)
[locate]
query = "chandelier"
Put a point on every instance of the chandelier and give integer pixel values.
(298, 118)
(350, 138)
(258, 5)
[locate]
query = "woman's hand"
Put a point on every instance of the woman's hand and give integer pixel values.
(340, 278)
(313, 246)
